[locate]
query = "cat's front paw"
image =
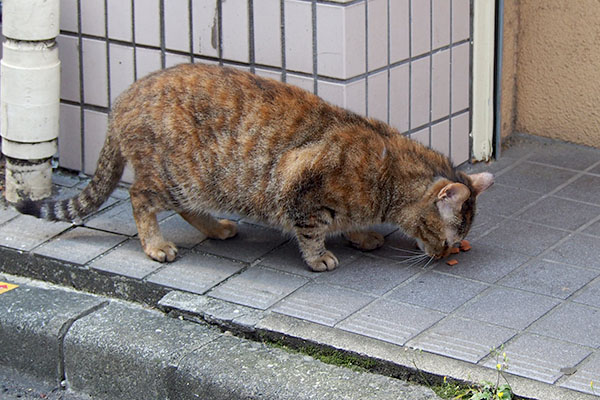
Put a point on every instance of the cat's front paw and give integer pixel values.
(326, 262)
(162, 251)
(366, 240)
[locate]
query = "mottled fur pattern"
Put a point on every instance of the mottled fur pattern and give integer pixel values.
(205, 138)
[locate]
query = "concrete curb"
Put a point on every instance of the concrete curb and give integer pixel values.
(111, 349)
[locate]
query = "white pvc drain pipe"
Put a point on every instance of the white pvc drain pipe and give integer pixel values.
(30, 84)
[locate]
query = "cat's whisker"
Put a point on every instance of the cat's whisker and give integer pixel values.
(406, 250)
(429, 262)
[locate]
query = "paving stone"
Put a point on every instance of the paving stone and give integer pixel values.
(483, 223)
(566, 155)
(505, 200)
(585, 188)
(390, 321)
(250, 243)
(397, 246)
(287, 258)
(369, 275)
(128, 259)
(65, 179)
(587, 372)
(196, 273)
(580, 250)
(483, 262)
(572, 322)
(118, 219)
(523, 237)
(540, 358)
(7, 213)
(178, 231)
(323, 304)
(510, 308)
(595, 170)
(590, 295)
(80, 245)
(593, 229)
(26, 232)
(63, 193)
(436, 291)
(560, 213)
(535, 177)
(551, 279)
(258, 287)
(462, 338)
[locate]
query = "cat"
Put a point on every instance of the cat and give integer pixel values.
(204, 138)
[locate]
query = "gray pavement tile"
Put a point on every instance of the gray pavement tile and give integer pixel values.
(369, 275)
(549, 278)
(566, 155)
(251, 242)
(510, 308)
(483, 262)
(63, 193)
(505, 200)
(396, 247)
(590, 295)
(7, 213)
(287, 258)
(178, 231)
(587, 372)
(26, 232)
(128, 259)
(580, 250)
(390, 321)
(65, 179)
(483, 223)
(462, 338)
(593, 229)
(436, 291)
(523, 237)
(196, 273)
(80, 245)
(322, 304)
(560, 213)
(540, 358)
(535, 177)
(258, 287)
(584, 188)
(572, 322)
(119, 219)
(595, 170)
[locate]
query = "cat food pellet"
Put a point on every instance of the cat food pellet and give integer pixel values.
(454, 250)
(465, 245)
(452, 262)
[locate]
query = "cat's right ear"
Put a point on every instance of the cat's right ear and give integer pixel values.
(481, 181)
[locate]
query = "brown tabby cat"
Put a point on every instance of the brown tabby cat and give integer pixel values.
(205, 138)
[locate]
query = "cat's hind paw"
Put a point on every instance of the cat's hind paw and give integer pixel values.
(326, 262)
(162, 251)
(226, 229)
(365, 240)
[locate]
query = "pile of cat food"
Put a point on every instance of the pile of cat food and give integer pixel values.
(464, 246)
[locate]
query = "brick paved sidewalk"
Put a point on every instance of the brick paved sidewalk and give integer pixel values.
(530, 283)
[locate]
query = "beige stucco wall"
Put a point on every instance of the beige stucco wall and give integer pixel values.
(509, 67)
(557, 70)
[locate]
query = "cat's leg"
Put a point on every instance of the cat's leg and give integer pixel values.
(311, 233)
(365, 240)
(144, 213)
(211, 227)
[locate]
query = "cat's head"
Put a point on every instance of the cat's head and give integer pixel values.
(446, 212)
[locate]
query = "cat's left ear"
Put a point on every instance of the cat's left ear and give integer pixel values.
(481, 181)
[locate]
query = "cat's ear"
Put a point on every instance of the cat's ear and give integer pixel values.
(451, 198)
(481, 181)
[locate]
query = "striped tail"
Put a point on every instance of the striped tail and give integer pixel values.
(108, 173)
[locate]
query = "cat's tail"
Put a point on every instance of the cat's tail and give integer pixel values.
(111, 164)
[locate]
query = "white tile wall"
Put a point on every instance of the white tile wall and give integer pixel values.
(205, 32)
(121, 69)
(235, 30)
(378, 96)
(69, 142)
(93, 17)
(68, 15)
(267, 32)
(69, 68)
(147, 22)
(461, 20)
(441, 23)
(460, 77)
(420, 27)
(377, 33)
(440, 85)
(399, 97)
(172, 59)
(419, 98)
(460, 138)
(440, 137)
(95, 124)
(177, 26)
(95, 76)
(119, 19)
(147, 60)
(298, 36)
(399, 30)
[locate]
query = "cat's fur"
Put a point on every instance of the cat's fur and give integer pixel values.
(205, 138)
